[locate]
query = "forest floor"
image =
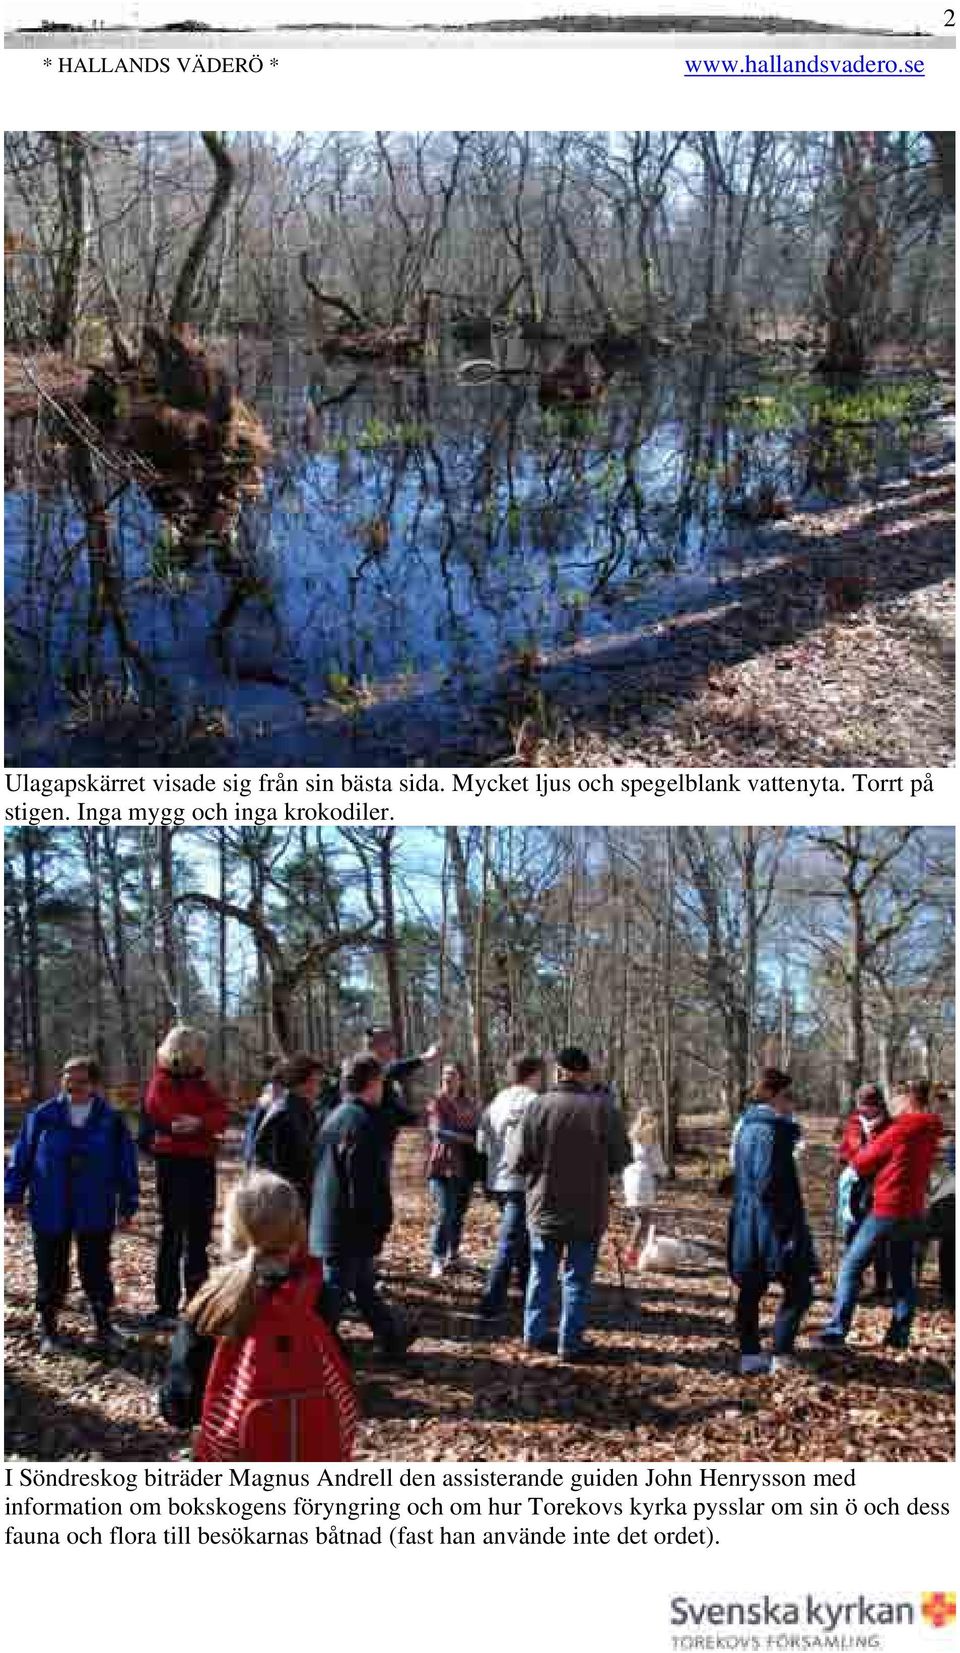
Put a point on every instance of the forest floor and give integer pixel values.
(663, 1385)
(840, 652)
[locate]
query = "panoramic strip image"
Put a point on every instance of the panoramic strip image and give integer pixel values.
(508, 1132)
(129, 23)
(480, 447)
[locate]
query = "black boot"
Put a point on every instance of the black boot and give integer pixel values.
(107, 1337)
(403, 1336)
(49, 1340)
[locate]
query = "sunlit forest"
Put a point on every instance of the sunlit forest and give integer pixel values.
(680, 955)
(680, 958)
(346, 447)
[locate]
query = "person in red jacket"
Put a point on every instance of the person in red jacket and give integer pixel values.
(188, 1116)
(898, 1161)
(253, 1361)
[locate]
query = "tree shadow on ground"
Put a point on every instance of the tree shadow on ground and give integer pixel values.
(895, 549)
(44, 1422)
(648, 670)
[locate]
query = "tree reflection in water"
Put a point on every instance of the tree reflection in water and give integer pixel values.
(421, 548)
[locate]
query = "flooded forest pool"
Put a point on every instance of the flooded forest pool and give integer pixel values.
(428, 560)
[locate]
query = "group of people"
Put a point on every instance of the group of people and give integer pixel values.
(545, 1155)
(305, 1226)
(887, 1153)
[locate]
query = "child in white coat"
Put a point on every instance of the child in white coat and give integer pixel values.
(640, 1182)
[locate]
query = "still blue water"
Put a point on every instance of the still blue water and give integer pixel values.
(417, 543)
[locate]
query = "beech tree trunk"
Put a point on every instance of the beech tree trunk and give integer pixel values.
(184, 297)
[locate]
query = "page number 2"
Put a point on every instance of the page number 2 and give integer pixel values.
(949, 18)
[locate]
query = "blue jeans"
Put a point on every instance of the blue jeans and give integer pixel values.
(451, 1196)
(512, 1255)
(579, 1259)
(901, 1239)
(797, 1297)
(356, 1277)
(881, 1257)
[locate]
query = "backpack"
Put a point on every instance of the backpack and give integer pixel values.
(283, 1393)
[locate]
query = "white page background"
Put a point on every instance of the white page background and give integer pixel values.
(565, 1600)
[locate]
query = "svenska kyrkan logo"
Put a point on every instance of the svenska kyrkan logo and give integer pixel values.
(938, 1608)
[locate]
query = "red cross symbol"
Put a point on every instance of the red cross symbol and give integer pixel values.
(938, 1608)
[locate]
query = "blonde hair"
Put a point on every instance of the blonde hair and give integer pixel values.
(262, 1225)
(644, 1132)
(184, 1050)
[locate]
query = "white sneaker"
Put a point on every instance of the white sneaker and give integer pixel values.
(786, 1363)
(437, 1269)
(753, 1365)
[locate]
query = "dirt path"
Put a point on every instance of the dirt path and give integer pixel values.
(663, 1386)
(841, 652)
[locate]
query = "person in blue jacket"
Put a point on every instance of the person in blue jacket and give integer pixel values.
(75, 1164)
(769, 1237)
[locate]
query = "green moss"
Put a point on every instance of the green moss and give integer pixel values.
(783, 407)
(377, 433)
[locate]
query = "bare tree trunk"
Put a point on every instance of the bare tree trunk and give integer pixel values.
(169, 974)
(751, 952)
(945, 149)
(481, 1043)
(98, 1041)
(282, 968)
(65, 304)
(863, 858)
(121, 985)
(151, 920)
(467, 920)
(222, 999)
(224, 174)
(669, 1093)
(390, 958)
(330, 1025)
(857, 279)
(856, 1030)
(442, 944)
(270, 993)
(15, 910)
(35, 1051)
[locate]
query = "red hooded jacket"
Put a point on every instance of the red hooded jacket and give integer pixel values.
(899, 1161)
(169, 1095)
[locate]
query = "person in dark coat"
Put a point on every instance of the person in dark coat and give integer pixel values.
(568, 1144)
(769, 1237)
(286, 1138)
(352, 1208)
(395, 1111)
(75, 1164)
